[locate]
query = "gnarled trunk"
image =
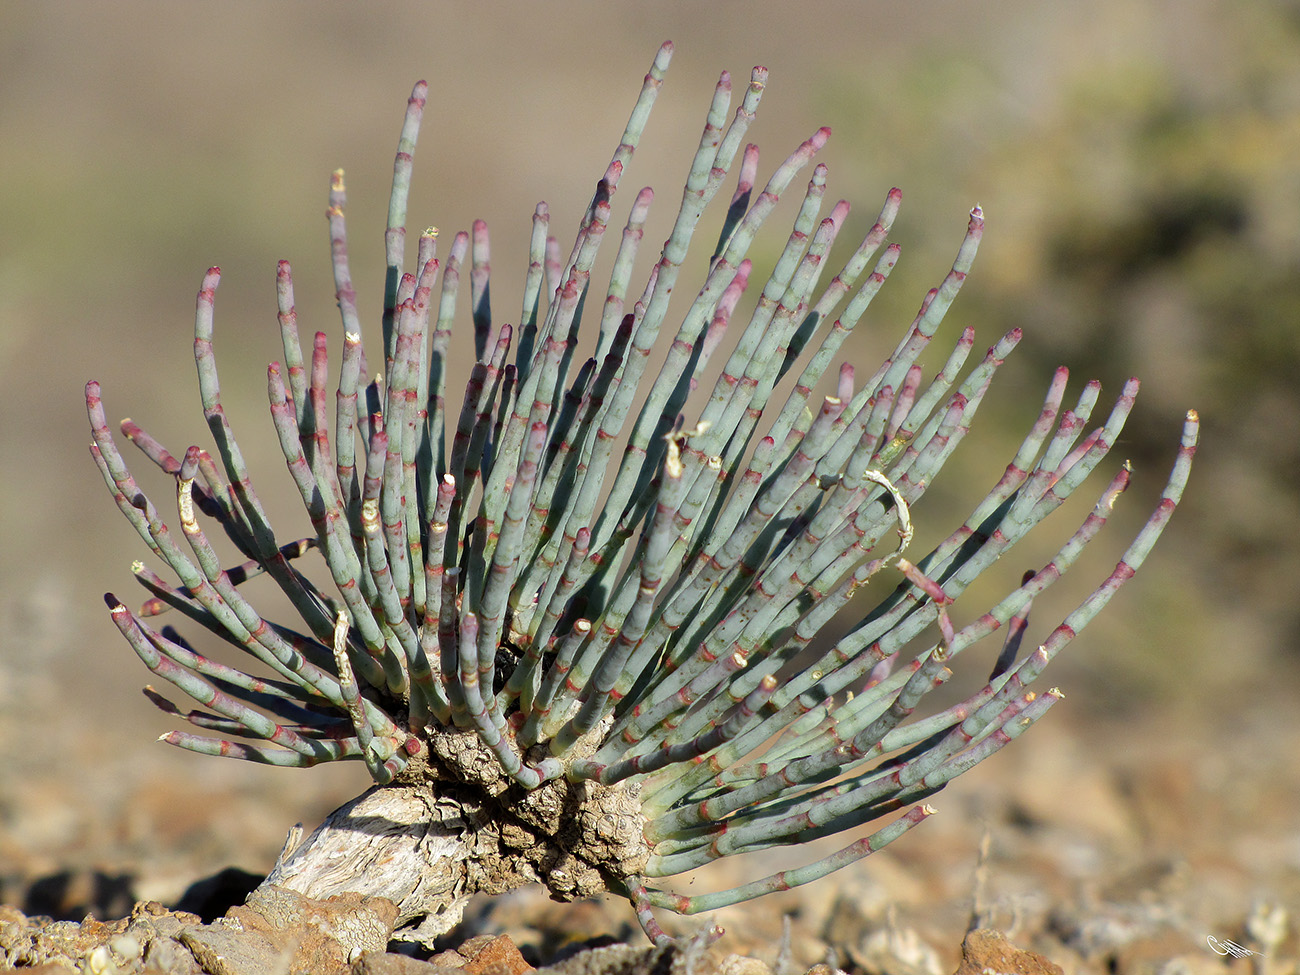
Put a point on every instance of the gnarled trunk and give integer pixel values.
(430, 841)
(421, 851)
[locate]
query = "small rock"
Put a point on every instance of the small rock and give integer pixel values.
(360, 924)
(988, 952)
(449, 959)
(165, 954)
(394, 964)
(493, 955)
(224, 951)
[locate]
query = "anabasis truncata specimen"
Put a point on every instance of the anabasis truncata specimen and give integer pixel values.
(572, 632)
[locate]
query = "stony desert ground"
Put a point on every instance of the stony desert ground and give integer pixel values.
(1137, 165)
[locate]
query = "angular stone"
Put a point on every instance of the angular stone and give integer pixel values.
(493, 955)
(988, 952)
(359, 923)
(228, 951)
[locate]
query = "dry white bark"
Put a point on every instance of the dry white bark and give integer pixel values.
(399, 842)
(431, 840)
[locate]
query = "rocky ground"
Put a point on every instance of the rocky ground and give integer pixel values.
(1122, 849)
(1137, 160)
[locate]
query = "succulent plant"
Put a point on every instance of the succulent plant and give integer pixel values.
(576, 637)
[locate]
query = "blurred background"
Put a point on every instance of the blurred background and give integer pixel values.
(1136, 162)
